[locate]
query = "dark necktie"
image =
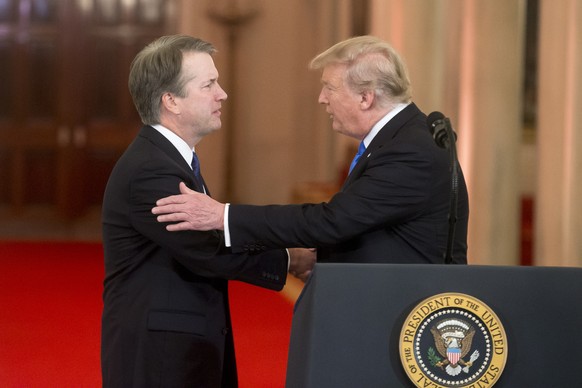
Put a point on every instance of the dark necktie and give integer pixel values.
(361, 150)
(196, 170)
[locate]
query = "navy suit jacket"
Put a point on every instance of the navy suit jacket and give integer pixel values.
(165, 317)
(392, 208)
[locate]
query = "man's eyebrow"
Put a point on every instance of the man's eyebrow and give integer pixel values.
(211, 80)
(328, 84)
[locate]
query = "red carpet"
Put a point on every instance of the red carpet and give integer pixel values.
(50, 311)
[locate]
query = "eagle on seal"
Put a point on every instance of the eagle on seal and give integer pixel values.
(453, 340)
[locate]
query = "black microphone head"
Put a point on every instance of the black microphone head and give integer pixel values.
(437, 124)
(433, 118)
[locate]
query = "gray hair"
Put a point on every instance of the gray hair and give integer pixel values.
(157, 70)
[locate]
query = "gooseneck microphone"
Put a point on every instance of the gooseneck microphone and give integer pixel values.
(441, 129)
(444, 136)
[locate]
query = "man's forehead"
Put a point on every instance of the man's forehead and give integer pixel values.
(200, 66)
(333, 74)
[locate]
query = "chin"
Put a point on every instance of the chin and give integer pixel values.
(338, 130)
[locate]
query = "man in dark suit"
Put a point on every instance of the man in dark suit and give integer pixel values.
(166, 319)
(394, 204)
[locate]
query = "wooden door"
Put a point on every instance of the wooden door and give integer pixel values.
(65, 110)
(30, 70)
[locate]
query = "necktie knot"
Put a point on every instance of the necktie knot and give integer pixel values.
(361, 150)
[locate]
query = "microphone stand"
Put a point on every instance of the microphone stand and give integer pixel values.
(454, 195)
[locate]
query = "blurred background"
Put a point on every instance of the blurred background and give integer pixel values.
(506, 72)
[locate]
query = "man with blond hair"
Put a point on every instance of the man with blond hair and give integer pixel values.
(394, 205)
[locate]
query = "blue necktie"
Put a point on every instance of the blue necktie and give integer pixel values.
(201, 188)
(361, 150)
(196, 168)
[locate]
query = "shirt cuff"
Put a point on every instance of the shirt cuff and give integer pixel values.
(226, 229)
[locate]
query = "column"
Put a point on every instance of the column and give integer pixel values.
(558, 212)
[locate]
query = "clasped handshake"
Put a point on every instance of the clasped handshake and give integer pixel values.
(191, 210)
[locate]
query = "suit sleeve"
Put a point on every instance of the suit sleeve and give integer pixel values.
(203, 253)
(394, 187)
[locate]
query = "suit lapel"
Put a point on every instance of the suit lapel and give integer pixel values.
(165, 145)
(384, 136)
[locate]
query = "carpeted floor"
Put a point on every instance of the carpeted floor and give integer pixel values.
(50, 310)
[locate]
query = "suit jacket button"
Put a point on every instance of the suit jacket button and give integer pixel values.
(225, 331)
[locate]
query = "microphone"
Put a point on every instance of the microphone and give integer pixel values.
(444, 136)
(440, 127)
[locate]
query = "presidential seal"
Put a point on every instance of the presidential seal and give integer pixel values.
(453, 340)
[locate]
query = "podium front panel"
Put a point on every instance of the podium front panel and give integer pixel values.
(347, 322)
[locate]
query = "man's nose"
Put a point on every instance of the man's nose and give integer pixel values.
(222, 94)
(322, 99)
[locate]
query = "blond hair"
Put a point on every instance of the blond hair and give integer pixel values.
(372, 64)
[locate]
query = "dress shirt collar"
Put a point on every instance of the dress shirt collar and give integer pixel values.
(380, 124)
(178, 142)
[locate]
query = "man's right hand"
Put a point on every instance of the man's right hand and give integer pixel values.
(302, 261)
(190, 210)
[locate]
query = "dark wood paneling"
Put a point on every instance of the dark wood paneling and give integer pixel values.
(65, 112)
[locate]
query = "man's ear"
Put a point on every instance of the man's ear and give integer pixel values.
(367, 98)
(169, 103)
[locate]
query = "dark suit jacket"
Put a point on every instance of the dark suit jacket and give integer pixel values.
(393, 207)
(165, 317)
